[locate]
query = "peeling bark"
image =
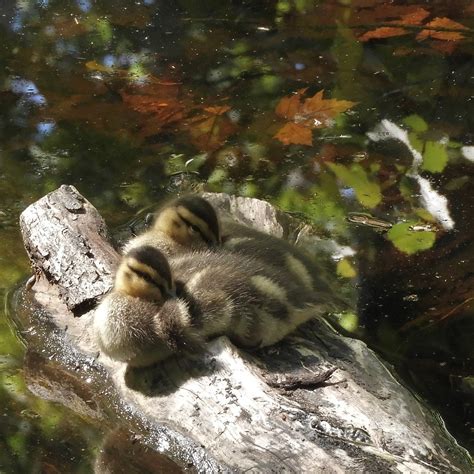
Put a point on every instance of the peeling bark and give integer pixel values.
(317, 402)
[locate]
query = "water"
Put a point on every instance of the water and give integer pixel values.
(134, 101)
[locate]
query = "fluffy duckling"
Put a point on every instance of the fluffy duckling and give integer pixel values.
(191, 222)
(218, 293)
(125, 322)
(185, 224)
(253, 303)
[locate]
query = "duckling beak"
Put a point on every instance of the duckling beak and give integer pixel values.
(171, 292)
(215, 242)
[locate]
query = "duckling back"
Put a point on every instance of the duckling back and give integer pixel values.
(277, 253)
(157, 239)
(242, 297)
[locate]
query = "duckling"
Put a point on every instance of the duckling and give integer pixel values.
(125, 321)
(185, 224)
(191, 222)
(251, 302)
(141, 322)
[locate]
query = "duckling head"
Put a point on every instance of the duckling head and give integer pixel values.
(144, 272)
(190, 221)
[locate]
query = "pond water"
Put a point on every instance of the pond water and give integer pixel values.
(356, 115)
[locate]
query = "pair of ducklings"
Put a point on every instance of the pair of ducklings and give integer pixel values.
(217, 278)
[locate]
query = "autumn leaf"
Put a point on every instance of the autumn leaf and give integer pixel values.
(389, 13)
(210, 130)
(289, 106)
(150, 104)
(295, 134)
(317, 112)
(158, 102)
(441, 29)
(383, 32)
(415, 17)
(411, 18)
(445, 24)
(304, 116)
(219, 110)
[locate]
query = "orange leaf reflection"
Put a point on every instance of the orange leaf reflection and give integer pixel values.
(294, 134)
(383, 32)
(444, 23)
(289, 106)
(210, 130)
(313, 112)
(158, 103)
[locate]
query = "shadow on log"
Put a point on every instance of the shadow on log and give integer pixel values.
(317, 402)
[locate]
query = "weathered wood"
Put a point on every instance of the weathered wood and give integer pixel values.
(317, 402)
(66, 239)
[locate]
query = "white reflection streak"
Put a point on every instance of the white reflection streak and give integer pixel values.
(468, 152)
(435, 203)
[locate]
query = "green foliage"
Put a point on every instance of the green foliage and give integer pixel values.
(367, 191)
(349, 321)
(409, 241)
(435, 153)
(105, 31)
(345, 269)
(321, 204)
(416, 123)
(435, 156)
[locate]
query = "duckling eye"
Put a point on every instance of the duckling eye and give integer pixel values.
(194, 229)
(150, 280)
(146, 277)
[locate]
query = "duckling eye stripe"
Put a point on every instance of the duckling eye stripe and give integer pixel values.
(203, 210)
(145, 276)
(147, 257)
(190, 224)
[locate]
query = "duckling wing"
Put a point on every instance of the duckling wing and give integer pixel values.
(294, 265)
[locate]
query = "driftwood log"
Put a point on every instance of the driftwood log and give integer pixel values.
(317, 402)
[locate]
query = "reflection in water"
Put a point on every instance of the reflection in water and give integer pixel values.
(121, 453)
(431, 200)
(37, 435)
(131, 101)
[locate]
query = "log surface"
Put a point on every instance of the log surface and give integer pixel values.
(317, 402)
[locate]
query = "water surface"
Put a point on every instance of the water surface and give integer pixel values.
(353, 114)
